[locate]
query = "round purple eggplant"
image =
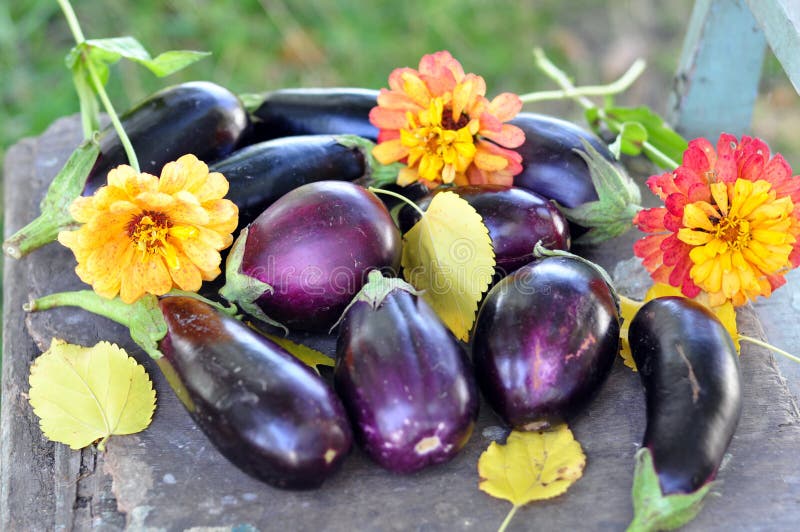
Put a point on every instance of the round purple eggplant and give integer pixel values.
(693, 390)
(545, 340)
(550, 166)
(404, 378)
(264, 410)
(516, 219)
(304, 258)
(198, 117)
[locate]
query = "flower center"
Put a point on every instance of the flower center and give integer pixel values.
(148, 231)
(733, 231)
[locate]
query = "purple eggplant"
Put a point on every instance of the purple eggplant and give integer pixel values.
(304, 258)
(550, 166)
(261, 173)
(264, 410)
(693, 390)
(545, 340)
(404, 378)
(198, 117)
(314, 111)
(516, 219)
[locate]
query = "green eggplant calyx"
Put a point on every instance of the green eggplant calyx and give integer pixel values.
(242, 289)
(651, 508)
(143, 317)
(377, 175)
(619, 199)
(375, 291)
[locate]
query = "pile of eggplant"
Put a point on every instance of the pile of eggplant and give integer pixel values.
(318, 252)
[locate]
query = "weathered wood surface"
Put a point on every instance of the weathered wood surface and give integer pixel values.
(169, 477)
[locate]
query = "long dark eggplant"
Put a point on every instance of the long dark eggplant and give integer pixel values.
(263, 409)
(516, 219)
(550, 166)
(693, 389)
(198, 117)
(314, 111)
(304, 258)
(404, 379)
(262, 173)
(545, 340)
(693, 394)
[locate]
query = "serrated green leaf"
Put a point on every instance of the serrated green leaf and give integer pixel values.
(84, 394)
(659, 134)
(652, 509)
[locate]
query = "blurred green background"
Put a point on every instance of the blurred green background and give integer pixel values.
(259, 45)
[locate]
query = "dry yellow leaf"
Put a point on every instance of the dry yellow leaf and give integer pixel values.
(306, 355)
(531, 466)
(628, 309)
(83, 394)
(448, 256)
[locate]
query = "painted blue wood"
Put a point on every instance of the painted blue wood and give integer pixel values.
(780, 22)
(719, 70)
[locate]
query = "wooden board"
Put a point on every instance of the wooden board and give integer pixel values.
(169, 476)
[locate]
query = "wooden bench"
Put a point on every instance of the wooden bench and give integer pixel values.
(169, 477)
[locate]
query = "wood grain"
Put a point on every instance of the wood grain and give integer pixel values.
(170, 477)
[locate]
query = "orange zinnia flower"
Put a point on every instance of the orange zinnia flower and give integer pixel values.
(141, 234)
(730, 225)
(439, 121)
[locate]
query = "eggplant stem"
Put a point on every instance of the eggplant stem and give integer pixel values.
(766, 345)
(508, 518)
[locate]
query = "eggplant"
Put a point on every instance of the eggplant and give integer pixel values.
(302, 111)
(545, 339)
(404, 378)
(550, 166)
(198, 117)
(262, 408)
(304, 258)
(516, 219)
(261, 173)
(693, 390)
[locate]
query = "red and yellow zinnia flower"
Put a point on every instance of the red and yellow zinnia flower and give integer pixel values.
(730, 225)
(437, 119)
(141, 234)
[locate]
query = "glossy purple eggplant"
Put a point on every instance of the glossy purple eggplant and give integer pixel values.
(404, 379)
(261, 173)
(550, 166)
(263, 409)
(305, 257)
(545, 340)
(198, 117)
(516, 219)
(693, 390)
(314, 111)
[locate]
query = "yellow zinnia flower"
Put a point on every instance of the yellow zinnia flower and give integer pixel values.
(141, 234)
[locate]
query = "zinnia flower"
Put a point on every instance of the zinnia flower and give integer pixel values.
(142, 234)
(439, 121)
(730, 225)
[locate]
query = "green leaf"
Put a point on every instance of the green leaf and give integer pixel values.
(55, 216)
(173, 61)
(652, 510)
(631, 138)
(659, 135)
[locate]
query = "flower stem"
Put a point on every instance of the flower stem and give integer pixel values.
(616, 87)
(398, 196)
(508, 519)
(97, 85)
(563, 81)
(769, 346)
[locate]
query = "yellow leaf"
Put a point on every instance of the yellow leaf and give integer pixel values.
(531, 466)
(628, 309)
(309, 357)
(448, 255)
(83, 394)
